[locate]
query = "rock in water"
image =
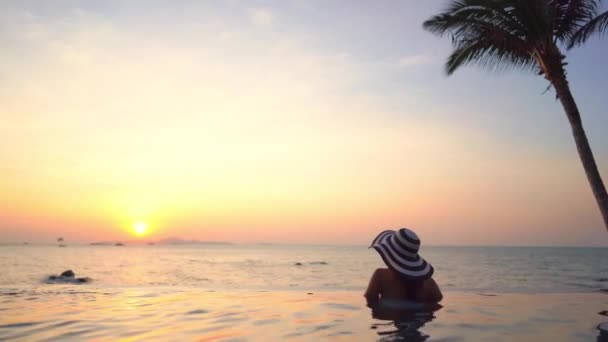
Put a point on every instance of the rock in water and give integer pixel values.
(67, 277)
(68, 274)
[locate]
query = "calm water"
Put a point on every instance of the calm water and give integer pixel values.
(264, 267)
(247, 292)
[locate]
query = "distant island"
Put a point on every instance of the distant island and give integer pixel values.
(167, 241)
(179, 241)
(101, 243)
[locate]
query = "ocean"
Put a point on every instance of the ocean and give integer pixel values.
(275, 267)
(275, 292)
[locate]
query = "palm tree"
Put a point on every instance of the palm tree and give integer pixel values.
(597, 24)
(526, 34)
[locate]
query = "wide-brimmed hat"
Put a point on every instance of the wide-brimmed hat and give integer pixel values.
(399, 250)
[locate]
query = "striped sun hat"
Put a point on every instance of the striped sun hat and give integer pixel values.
(399, 250)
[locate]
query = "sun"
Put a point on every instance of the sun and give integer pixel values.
(140, 228)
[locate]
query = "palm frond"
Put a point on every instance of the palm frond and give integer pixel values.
(493, 53)
(535, 16)
(456, 18)
(570, 15)
(597, 25)
(484, 32)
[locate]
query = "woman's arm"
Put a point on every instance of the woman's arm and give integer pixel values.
(433, 293)
(372, 295)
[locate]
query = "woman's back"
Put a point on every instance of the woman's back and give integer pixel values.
(388, 284)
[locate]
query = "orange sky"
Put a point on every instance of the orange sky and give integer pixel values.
(257, 131)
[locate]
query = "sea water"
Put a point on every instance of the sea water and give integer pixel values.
(293, 292)
(300, 267)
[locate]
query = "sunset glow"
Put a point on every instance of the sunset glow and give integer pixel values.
(140, 228)
(245, 122)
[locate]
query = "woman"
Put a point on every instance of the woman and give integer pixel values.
(408, 276)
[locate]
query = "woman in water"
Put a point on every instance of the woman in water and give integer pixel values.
(408, 276)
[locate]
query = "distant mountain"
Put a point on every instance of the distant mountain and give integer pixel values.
(101, 243)
(167, 241)
(179, 241)
(108, 243)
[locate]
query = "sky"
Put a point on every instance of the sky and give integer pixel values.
(282, 121)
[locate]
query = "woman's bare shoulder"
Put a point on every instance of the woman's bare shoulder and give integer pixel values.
(430, 281)
(430, 284)
(381, 271)
(432, 291)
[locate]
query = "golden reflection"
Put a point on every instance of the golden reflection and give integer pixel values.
(84, 313)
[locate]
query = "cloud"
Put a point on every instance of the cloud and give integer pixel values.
(263, 17)
(411, 61)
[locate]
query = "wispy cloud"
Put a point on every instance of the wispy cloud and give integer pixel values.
(406, 62)
(263, 17)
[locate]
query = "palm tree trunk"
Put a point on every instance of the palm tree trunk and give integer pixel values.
(560, 83)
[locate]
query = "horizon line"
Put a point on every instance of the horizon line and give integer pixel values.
(228, 243)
